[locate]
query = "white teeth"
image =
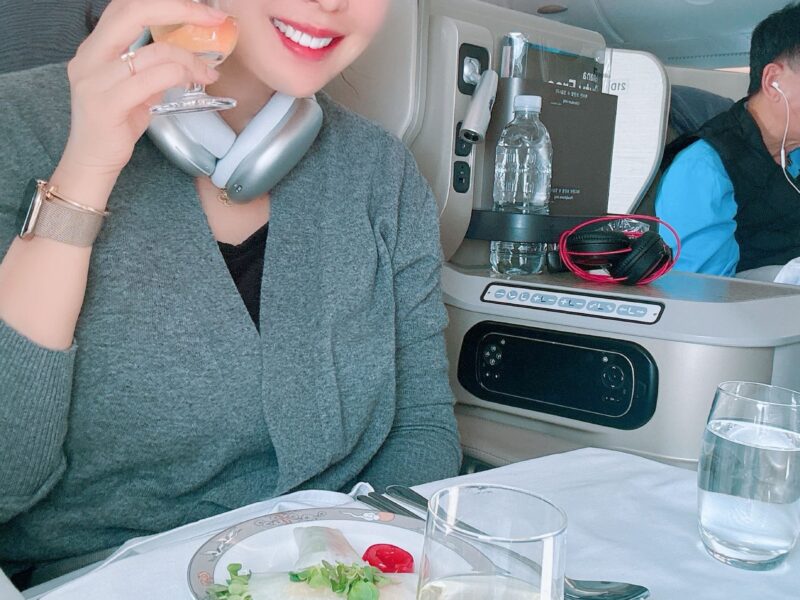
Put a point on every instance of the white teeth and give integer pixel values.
(299, 37)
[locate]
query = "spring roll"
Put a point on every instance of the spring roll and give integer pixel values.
(317, 544)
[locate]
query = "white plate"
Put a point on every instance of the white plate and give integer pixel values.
(267, 543)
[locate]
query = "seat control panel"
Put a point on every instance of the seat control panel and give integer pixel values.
(590, 305)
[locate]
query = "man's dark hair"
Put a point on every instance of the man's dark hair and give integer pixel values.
(776, 38)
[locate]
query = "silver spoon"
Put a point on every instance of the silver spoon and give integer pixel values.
(574, 589)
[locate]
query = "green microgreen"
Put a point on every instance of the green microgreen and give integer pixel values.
(354, 582)
(237, 587)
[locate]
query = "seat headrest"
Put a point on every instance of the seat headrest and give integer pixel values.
(691, 107)
(23, 21)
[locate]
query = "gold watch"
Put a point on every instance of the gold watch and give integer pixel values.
(45, 213)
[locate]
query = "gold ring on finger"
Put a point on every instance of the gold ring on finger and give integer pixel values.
(127, 58)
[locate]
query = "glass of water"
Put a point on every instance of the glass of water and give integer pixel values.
(490, 541)
(749, 475)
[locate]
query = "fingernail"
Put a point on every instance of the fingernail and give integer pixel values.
(216, 13)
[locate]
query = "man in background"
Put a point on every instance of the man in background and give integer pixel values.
(730, 191)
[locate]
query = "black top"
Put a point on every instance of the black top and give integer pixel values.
(246, 264)
(767, 219)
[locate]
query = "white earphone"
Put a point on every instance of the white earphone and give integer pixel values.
(777, 87)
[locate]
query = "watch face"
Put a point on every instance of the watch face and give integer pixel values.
(29, 210)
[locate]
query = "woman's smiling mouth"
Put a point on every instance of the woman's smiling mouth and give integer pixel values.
(306, 41)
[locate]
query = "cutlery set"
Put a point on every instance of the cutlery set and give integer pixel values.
(402, 500)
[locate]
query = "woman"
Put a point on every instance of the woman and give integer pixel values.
(137, 393)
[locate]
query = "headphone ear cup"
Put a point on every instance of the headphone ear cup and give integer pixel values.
(648, 253)
(596, 248)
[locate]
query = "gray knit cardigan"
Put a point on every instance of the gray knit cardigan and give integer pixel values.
(170, 406)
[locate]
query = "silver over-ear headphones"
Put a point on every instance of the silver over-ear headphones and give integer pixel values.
(250, 164)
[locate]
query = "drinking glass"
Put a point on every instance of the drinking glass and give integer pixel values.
(490, 541)
(211, 44)
(749, 475)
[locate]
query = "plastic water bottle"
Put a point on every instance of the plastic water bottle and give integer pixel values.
(523, 167)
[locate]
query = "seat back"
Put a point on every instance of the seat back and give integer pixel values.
(44, 32)
(639, 81)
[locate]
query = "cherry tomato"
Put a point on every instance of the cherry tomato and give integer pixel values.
(389, 558)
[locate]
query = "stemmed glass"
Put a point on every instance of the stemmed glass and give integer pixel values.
(213, 45)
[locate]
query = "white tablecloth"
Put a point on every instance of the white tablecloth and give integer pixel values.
(630, 519)
(633, 519)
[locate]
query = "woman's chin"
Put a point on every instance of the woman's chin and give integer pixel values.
(302, 88)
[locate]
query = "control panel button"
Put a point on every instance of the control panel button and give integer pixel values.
(569, 302)
(601, 307)
(613, 377)
(501, 293)
(524, 296)
(512, 294)
(461, 177)
(544, 299)
(628, 310)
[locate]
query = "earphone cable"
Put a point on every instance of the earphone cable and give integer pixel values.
(783, 141)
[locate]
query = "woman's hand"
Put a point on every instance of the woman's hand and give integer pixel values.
(110, 104)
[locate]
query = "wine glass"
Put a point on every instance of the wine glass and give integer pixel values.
(213, 45)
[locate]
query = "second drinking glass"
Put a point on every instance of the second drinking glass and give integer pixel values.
(490, 541)
(213, 45)
(749, 475)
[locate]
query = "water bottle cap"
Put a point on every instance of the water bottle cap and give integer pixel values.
(533, 103)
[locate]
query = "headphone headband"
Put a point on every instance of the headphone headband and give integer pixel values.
(247, 165)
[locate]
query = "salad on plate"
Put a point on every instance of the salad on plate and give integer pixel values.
(327, 567)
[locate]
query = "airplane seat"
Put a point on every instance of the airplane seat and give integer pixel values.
(22, 45)
(546, 392)
(690, 108)
(641, 84)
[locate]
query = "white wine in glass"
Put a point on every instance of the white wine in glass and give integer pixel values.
(213, 45)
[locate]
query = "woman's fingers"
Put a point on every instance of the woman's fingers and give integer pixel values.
(140, 89)
(110, 98)
(124, 20)
(147, 57)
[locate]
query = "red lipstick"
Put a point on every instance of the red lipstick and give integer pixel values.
(304, 51)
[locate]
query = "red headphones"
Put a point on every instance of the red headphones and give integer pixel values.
(630, 257)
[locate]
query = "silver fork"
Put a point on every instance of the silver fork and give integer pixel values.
(574, 589)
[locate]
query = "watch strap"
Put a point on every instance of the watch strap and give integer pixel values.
(64, 224)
